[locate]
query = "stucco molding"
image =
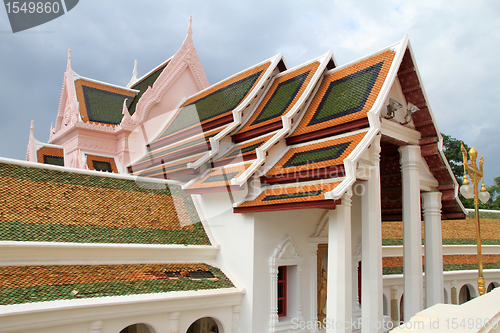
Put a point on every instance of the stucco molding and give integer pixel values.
(185, 57)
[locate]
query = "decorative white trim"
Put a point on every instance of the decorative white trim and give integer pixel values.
(54, 253)
(373, 118)
(134, 75)
(399, 132)
(238, 113)
(140, 180)
(185, 58)
(27, 316)
(285, 254)
(287, 123)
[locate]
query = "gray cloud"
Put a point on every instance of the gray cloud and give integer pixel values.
(455, 44)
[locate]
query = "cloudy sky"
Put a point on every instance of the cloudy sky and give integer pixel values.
(456, 45)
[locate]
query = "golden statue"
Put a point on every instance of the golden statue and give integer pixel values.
(322, 296)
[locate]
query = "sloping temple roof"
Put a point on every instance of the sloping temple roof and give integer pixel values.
(308, 125)
(57, 205)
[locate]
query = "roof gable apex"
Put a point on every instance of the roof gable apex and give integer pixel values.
(186, 58)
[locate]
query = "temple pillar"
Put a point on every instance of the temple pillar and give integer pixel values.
(433, 248)
(412, 234)
(394, 306)
(173, 322)
(453, 296)
(371, 247)
(339, 275)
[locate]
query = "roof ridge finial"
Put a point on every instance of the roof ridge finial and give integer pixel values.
(30, 152)
(68, 66)
(190, 29)
(134, 75)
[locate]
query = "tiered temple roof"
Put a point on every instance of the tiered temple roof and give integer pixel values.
(308, 125)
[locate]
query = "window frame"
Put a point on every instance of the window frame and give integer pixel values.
(283, 311)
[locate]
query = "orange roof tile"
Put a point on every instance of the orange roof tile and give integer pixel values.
(259, 118)
(315, 155)
(292, 194)
(219, 178)
(340, 99)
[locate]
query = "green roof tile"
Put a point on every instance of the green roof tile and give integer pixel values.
(57, 206)
(28, 284)
(104, 106)
(212, 105)
(347, 95)
(281, 98)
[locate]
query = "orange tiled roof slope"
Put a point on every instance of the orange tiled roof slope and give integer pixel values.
(346, 95)
(101, 103)
(28, 284)
(264, 121)
(281, 97)
(62, 206)
(394, 265)
(455, 232)
(318, 145)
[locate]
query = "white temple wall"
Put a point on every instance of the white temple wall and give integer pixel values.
(236, 233)
(271, 228)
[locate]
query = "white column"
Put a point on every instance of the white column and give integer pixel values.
(313, 259)
(339, 276)
(236, 318)
(96, 326)
(173, 322)
(433, 248)
(371, 248)
(412, 233)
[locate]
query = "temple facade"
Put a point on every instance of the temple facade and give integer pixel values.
(281, 199)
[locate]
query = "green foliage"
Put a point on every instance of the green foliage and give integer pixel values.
(453, 152)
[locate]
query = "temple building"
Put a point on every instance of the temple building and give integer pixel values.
(280, 199)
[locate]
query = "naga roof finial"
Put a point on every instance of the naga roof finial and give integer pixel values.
(68, 66)
(134, 75)
(190, 30)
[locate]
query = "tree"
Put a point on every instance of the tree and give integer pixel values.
(453, 151)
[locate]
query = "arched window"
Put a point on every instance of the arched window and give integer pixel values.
(205, 325)
(401, 309)
(464, 295)
(491, 286)
(138, 328)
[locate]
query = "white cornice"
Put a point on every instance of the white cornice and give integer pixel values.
(63, 312)
(139, 180)
(448, 250)
(53, 253)
(399, 132)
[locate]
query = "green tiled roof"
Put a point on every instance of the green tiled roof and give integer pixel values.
(104, 106)
(54, 160)
(317, 155)
(212, 105)
(143, 85)
(28, 284)
(292, 195)
(165, 153)
(347, 95)
(446, 268)
(281, 98)
(221, 178)
(56, 206)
